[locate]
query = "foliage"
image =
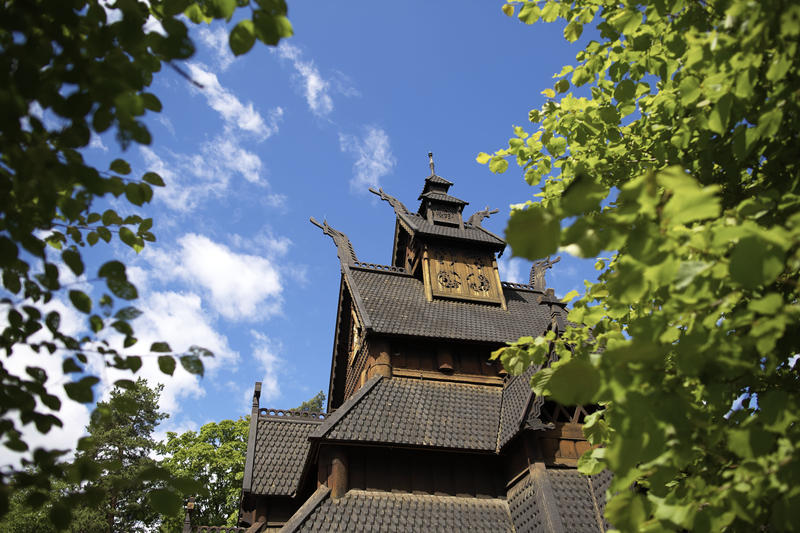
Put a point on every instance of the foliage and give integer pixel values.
(23, 517)
(72, 69)
(120, 446)
(119, 455)
(214, 457)
(673, 141)
(313, 404)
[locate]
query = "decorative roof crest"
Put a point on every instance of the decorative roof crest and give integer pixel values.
(344, 249)
(538, 271)
(476, 218)
(398, 206)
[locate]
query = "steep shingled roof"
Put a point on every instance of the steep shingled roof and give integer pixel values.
(411, 314)
(470, 234)
(374, 511)
(281, 448)
(419, 413)
(516, 395)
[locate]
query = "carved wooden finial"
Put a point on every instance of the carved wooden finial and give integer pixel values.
(478, 216)
(430, 162)
(538, 271)
(344, 248)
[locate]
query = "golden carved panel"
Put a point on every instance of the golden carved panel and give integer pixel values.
(463, 276)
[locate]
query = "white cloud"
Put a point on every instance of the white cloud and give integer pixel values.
(315, 87)
(97, 143)
(191, 179)
(207, 172)
(240, 286)
(178, 319)
(264, 352)
(373, 157)
(514, 269)
(215, 38)
(237, 116)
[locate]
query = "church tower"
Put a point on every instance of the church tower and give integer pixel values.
(423, 432)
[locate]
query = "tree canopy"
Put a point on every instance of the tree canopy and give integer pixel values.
(669, 151)
(313, 404)
(118, 456)
(214, 456)
(71, 69)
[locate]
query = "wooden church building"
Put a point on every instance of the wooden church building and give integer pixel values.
(423, 432)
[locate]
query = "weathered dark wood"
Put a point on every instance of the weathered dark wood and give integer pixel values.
(337, 479)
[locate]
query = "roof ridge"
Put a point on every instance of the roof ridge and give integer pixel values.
(343, 409)
(306, 509)
(292, 415)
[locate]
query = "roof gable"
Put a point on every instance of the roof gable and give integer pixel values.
(281, 448)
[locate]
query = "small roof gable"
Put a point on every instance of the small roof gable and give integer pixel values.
(413, 412)
(281, 447)
(394, 303)
(438, 180)
(362, 510)
(442, 197)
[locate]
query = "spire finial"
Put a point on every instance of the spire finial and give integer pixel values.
(430, 162)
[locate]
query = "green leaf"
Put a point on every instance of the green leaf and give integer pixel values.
(192, 364)
(498, 165)
(533, 233)
(626, 20)
(269, 28)
(112, 269)
(688, 271)
(153, 179)
(222, 8)
(81, 301)
(167, 364)
(768, 305)
(582, 195)
(165, 501)
(242, 37)
(128, 313)
(81, 391)
(127, 236)
(73, 260)
(529, 13)
(755, 262)
(482, 158)
(625, 91)
(120, 166)
(162, 347)
(573, 30)
(135, 195)
(749, 443)
(574, 382)
(720, 114)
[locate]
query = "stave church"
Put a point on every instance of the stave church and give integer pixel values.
(423, 431)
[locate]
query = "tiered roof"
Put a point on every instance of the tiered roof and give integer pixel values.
(411, 314)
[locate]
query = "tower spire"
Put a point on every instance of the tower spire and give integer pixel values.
(430, 162)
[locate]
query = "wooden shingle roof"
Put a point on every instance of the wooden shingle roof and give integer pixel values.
(281, 448)
(373, 511)
(411, 412)
(394, 303)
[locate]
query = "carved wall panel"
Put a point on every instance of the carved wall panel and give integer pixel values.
(463, 276)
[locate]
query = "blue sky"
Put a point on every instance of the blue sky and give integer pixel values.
(357, 98)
